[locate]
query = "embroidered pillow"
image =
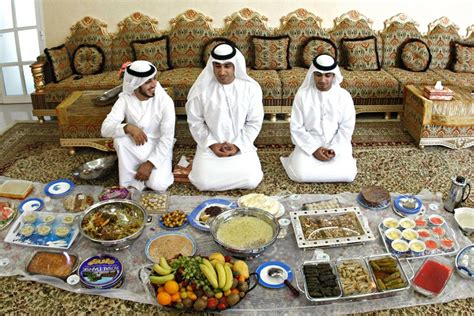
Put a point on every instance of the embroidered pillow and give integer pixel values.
(271, 53)
(154, 50)
(206, 52)
(415, 55)
(316, 46)
(360, 53)
(463, 57)
(58, 58)
(88, 60)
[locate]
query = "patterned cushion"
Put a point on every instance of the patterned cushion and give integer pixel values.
(393, 37)
(291, 80)
(370, 84)
(270, 83)
(271, 53)
(181, 80)
(440, 41)
(415, 55)
(57, 92)
(463, 57)
(88, 60)
(360, 53)
(316, 46)
(154, 50)
(58, 58)
(406, 77)
(206, 52)
(462, 79)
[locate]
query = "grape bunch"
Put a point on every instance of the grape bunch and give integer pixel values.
(187, 269)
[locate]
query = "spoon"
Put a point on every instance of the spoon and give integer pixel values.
(278, 273)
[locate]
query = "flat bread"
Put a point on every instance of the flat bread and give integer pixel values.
(260, 201)
(374, 195)
(16, 189)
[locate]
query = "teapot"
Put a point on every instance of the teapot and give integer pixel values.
(457, 193)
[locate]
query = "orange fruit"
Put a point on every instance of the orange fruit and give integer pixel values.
(175, 297)
(161, 289)
(172, 287)
(164, 298)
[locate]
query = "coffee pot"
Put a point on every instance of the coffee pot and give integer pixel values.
(457, 193)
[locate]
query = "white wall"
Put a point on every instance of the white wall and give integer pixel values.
(60, 15)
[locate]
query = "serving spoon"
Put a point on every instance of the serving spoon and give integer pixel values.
(276, 272)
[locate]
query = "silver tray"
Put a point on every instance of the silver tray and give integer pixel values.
(376, 294)
(330, 242)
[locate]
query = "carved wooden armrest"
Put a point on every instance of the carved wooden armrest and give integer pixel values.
(38, 70)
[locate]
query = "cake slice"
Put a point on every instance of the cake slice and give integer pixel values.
(374, 195)
(16, 189)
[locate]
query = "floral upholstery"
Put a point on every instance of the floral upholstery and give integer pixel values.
(60, 62)
(241, 26)
(206, 52)
(463, 58)
(135, 27)
(271, 53)
(94, 32)
(154, 50)
(416, 55)
(360, 54)
(181, 80)
(405, 77)
(189, 32)
(393, 37)
(300, 26)
(462, 79)
(317, 46)
(440, 40)
(370, 84)
(57, 92)
(88, 60)
(270, 83)
(291, 80)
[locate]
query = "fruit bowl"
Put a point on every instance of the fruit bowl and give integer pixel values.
(197, 284)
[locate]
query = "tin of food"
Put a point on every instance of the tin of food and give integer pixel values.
(101, 272)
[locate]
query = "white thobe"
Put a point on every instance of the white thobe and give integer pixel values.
(232, 113)
(156, 117)
(322, 119)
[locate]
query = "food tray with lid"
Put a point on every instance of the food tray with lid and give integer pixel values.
(439, 239)
(330, 227)
(372, 290)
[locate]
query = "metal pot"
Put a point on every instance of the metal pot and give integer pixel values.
(112, 208)
(96, 169)
(244, 212)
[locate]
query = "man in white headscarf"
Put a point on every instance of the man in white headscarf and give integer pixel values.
(225, 115)
(142, 125)
(322, 123)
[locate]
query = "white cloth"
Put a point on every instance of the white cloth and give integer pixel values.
(131, 82)
(321, 118)
(217, 113)
(156, 117)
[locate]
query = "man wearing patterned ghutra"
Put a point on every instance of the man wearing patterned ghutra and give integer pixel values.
(225, 115)
(142, 125)
(322, 123)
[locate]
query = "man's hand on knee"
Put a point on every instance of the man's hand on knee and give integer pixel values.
(144, 171)
(136, 133)
(324, 154)
(230, 149)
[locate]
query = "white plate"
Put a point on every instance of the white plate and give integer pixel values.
(278, 214)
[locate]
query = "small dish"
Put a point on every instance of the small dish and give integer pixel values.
(27, 230)
(417, 247)
(7, 214)
(423, 233)
(62, 231)
(379, 207)
(392, 234)
(195, 216)
(432, 277)
(436, 220)
(408, 204)
(49, 219)
(271, 282)
(115, 192)
(390, 222)
(407, 223)
(30, 217)
(169, 245)
(31, 205)
(181, 220)
(409, 234)
(400, 247)
(59, 188)
(465, 262)
(43, 230)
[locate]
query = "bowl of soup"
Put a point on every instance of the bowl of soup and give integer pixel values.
(245, 232)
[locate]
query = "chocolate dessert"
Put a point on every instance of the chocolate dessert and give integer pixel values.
(374, 195)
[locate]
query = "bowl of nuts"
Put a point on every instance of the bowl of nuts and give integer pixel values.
(173, 220)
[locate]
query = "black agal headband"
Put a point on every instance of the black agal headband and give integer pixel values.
(223, 57)
(322, 67)
(141, 74)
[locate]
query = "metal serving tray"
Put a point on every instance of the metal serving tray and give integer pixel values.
(373, 295)
(365, 233)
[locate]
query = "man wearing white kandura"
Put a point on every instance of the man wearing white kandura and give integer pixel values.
(142, 125)
(225, 115)
(322, 123)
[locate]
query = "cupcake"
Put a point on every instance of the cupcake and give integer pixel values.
(436, 220)
(399, 247)
(438, 231)
(27, 230)
(43, 230)
(421, 222)
(30, 217)
(406, 223)
(49, 219)
(62, 231)
(409, 234)
(417, 247)
(68, 220)
(390, 223)
(392, 234)
(423, 233)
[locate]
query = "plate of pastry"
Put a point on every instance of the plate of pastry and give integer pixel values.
(207, 210)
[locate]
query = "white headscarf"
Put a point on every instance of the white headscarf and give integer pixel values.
(222, 53)
(136, 74)
(323, 64)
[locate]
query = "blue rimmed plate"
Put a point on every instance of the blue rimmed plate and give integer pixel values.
(398, 204)
(160, 223)
(380, 207)
(198, 211)
(169, 245)
(59, 188)
(273, 282)
(31, 205)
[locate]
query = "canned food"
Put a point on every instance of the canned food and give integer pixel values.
(101, 272)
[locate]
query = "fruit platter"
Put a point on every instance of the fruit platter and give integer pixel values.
(198, 283)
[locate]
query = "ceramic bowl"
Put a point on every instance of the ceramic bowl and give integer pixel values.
(464, 216)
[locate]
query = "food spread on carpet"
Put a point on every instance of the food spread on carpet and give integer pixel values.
(120, 246)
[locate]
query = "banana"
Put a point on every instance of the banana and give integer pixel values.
(220, 274)
(208, 264)
(161, 279)
(160, 270)
(213, 262)
(211, 276)
(164, 264)
(229, 278)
